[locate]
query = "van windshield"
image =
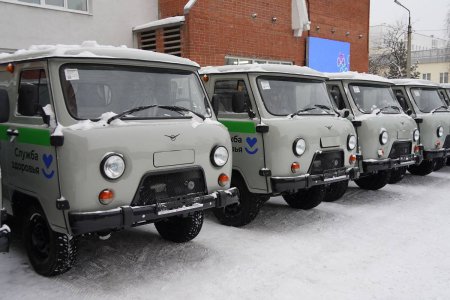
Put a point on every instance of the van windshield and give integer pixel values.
(428, 99)
(289, 96)
(92, 90)
(374, 98)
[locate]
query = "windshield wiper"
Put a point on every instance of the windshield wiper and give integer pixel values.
(320, 106)
(129, 111)
(437, 108)
(180, 109)
(389, 106)
(177, 109)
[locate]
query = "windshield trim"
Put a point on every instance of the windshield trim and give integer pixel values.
(170, 70)
(397, 112)
(292, 79)
(411, 89)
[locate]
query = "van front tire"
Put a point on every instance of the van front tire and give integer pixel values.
(244, 212)
(439, 163)
(180, 229)
(307, 198)
(425, 168)
(397, 175)
(336, 190)
(374, 181)
(50, 253)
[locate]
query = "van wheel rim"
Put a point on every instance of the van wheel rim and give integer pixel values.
(40, 237)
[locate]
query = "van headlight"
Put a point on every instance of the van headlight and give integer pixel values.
(416, 135)
(440, 131)
(112, 166)
(351, 142)
(219, 156)
(299, 147)
(384, 137)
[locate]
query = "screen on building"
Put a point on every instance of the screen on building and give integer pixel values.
(328, 55)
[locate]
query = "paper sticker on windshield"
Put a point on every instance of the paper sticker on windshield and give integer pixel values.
(71, 74)
(356, 89)
(417, 93)
(265, 85)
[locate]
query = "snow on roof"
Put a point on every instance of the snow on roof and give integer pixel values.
(417, 82)
(160, 23)
(92, 49)
(188, 6)
(262, 68)
(445, 85)
(358, 76)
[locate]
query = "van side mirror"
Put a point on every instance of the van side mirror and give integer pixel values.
(27, 104)
(4, 106)
(215, 103)
(345, 113)
(409, 112)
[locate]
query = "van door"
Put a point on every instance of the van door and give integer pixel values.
(237, 111)
(31, 165)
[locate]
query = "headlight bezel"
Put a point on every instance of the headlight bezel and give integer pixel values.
(384, 137)
(416, 131)
(213, 156)
(349, 138)
(440, 131)
(103, 165)
(298, 141)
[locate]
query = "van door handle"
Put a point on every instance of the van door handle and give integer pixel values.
(13, 133)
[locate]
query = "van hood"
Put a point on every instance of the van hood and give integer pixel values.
(428, 129)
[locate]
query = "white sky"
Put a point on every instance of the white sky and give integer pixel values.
(427, 16)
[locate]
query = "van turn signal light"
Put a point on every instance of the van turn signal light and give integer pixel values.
(106, 196)
(295, 167)
(352, 159)
(223, 179)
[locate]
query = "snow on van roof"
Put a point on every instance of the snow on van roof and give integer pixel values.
(417, 82)
(262, 68)
(358, 76)
(91, 49)
(445, 85)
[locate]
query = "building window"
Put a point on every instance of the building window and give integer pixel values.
(443, 77)
(73, 5)
(426, 76)
(172, 40)
(231, 60)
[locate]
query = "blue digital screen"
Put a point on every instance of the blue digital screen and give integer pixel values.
(328, 55)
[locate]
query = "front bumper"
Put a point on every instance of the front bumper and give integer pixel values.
(294, 183)
(5, 233)
(432, 154)
(131, 216)
(375, 165)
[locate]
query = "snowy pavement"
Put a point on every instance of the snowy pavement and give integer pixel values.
(387, 244)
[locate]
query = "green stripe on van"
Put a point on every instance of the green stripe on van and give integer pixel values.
(28, 135)
(239, 126)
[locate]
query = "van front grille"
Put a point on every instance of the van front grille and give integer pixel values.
(168, 186)
(400, 149)
(325, 161)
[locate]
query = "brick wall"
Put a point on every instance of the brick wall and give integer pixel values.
(216, 28)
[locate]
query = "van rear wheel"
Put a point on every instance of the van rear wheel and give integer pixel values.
(397, 175)
(180, 229)
(50, 253)
(307, 198)
(374, 181)
(336, 190)
(245, 211)
(425, 168)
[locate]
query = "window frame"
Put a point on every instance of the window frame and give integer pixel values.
(226, 114)
(64, 8)
(41, 70)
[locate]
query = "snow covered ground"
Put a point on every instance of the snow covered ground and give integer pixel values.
(387, 244)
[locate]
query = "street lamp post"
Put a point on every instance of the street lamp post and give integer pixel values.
(408, 54)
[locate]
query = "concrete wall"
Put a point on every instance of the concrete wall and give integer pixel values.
(109, 22)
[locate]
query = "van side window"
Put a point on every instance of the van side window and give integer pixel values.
(401, 99)
(336, 96)
(33, 92)
(232, 96)
(444, 97)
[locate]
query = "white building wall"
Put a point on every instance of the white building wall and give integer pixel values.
(109, 22)
(434, 69)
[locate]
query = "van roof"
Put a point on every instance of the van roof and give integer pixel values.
(445, 85)
(416, 82)
(358, 76)
(90, 49)
(262, 68)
